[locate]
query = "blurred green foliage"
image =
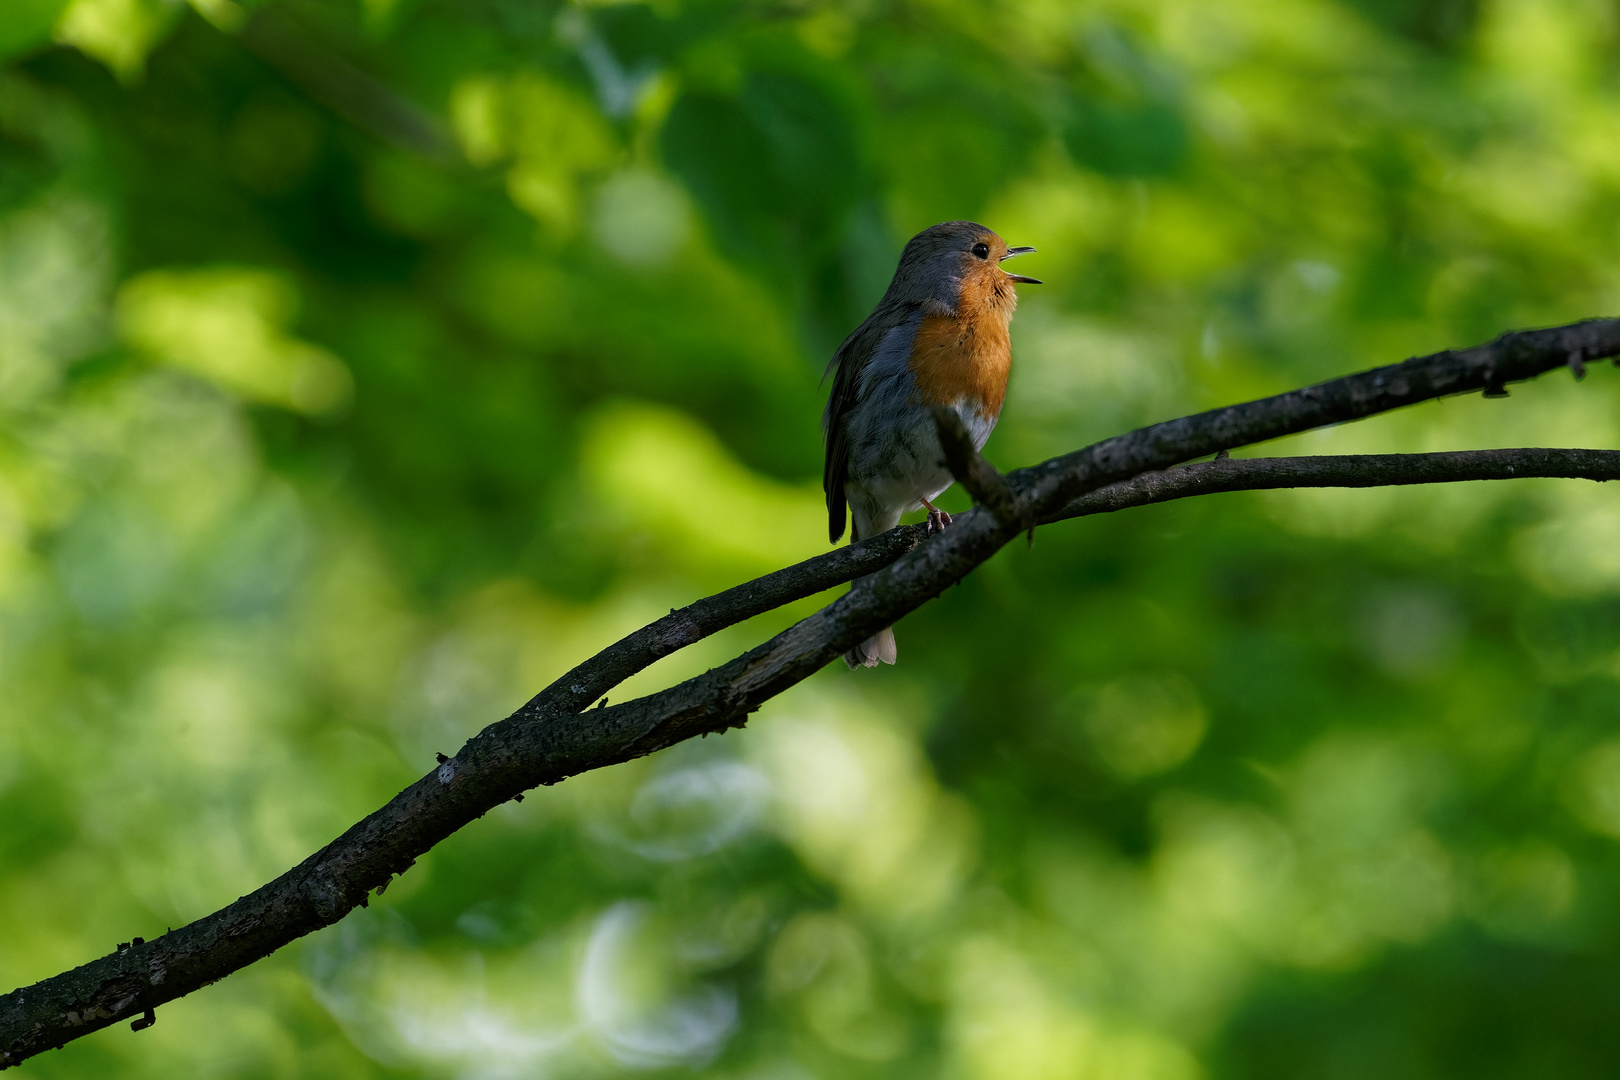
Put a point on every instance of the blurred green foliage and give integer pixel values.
(360, 375)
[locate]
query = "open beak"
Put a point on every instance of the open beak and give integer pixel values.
(1019, 277)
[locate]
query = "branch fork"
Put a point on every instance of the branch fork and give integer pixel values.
(988, 487)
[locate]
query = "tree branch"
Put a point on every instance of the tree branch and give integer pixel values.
(552, 737)
(1350, 470)
(980, 478)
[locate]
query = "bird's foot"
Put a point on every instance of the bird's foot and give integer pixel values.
(937, 519)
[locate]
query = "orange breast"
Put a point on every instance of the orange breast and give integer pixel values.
(967, 355)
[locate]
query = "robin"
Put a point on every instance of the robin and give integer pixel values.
(938, 337)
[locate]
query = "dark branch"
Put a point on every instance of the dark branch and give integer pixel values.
(987, 486)
(551, 737)
(1351, 470)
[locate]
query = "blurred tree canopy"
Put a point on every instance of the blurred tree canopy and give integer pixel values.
(364, 366)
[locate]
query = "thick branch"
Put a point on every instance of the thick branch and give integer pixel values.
(550, 738)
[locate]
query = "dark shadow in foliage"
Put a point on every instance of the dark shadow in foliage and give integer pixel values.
(954, 124)
(1465, 1007)
(1570, 639)
(777, 167)
(1125, 117)
(40, 820)
(639, 36)
(1442, 25)
(1146, 139)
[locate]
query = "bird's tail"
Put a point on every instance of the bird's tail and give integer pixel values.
(880, 646)
(868, 520)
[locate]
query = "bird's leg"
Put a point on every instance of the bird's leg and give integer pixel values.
(937, 518)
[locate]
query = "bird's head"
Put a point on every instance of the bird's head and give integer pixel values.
(954, 261)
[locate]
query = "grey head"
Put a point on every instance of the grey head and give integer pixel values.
(938, 261)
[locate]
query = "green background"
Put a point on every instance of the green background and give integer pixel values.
(362, 368)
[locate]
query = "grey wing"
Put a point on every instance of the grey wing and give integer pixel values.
(845, 369)
(881, 343)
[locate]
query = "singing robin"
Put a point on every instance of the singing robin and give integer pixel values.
(938, 337)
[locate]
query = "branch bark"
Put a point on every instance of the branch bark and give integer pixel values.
(553, 736)
(1348, 471)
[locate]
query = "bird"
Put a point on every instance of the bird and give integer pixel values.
(938, 337)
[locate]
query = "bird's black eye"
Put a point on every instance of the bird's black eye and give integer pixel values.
(982, 250)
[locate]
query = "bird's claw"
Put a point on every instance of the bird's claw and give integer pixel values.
(937, 520)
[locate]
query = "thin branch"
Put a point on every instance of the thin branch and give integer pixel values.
(1350, 471)
(688, 625)
(551, 738)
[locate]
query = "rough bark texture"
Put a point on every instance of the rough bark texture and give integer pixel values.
(553, 736)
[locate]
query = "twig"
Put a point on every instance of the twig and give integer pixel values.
(550, 738)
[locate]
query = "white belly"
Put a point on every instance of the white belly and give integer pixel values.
(897, 463)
